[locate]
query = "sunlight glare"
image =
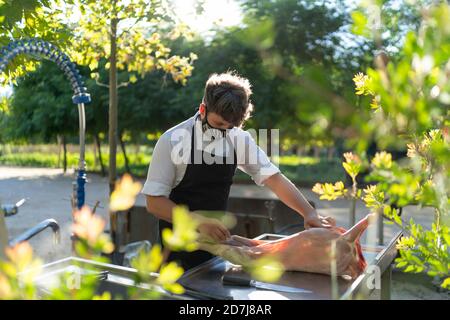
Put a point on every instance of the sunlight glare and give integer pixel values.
(220, 13)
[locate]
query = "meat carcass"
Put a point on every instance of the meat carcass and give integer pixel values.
(308, 251)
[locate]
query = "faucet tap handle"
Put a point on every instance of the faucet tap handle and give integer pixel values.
(9, 210)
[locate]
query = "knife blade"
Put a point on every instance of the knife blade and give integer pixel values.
(240, 281)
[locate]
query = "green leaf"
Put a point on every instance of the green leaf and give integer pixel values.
(175, 288)
(184, 234)
(170, 273)
(446, 283)
(359, 26)
(147, 262)
(409, 268)
(133, 78)
(397, 219)
(156, 258)
(93, 65)
(266, 269)
(359, 193)
(348, 168)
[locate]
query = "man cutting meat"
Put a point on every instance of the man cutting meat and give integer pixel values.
(193, 164)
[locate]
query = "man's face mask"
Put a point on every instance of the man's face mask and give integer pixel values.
(213, 131)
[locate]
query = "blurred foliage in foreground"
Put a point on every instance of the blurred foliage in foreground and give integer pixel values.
(410, 102)
(20, 271)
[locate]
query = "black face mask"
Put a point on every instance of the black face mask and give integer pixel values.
(216, 132)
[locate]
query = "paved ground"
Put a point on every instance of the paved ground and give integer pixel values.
(48, 192)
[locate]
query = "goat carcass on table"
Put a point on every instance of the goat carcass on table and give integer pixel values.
(308, 251)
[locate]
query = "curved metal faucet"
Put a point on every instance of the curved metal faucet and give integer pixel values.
(40, 49)
(41, 226)
(10, 210)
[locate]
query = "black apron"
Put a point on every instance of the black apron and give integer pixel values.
(203, 187)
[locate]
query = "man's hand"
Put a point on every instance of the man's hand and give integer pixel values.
(314, 220)
(214, 230)
(293, 198)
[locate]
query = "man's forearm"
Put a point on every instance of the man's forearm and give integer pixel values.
(161, 207)
(288, 193)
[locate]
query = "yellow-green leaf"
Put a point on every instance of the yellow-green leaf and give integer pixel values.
(175, 288)
(133, 78)
(446, 283)
(156, 258)
(184, 234)
(93, 64)
(359, 26)
(124, 194)
(348, 168)
(105, 296)
(170, 273)
(397, 219)
(266, 269)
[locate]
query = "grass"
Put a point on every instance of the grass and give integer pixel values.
(322, 170)
(304, 171)
(51, 160)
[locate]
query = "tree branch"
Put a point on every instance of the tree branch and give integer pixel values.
(101, 84)
(138, 19)
(123, 84)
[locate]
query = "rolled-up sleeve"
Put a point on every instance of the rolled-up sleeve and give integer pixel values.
(253, 160)
(161, 171)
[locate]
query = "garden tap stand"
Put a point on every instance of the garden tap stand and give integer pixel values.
(43, 50)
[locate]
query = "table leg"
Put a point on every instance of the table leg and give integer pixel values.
(386, 279)
(380, 228)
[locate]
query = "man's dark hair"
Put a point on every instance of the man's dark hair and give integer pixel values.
(228, 95)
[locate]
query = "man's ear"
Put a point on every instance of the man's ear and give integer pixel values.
(202, 109)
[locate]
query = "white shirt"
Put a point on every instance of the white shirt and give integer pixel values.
(172, 154)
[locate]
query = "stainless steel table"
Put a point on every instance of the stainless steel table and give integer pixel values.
(207, 279)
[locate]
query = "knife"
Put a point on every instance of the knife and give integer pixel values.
(239, 281)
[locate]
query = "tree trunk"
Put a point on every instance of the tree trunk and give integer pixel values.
(58, 142)
(316, 152)
(125, 157)
(99, 148)
(94, 152)
(64, 143)
(331, 151)
(269, 142)
(113, 101)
